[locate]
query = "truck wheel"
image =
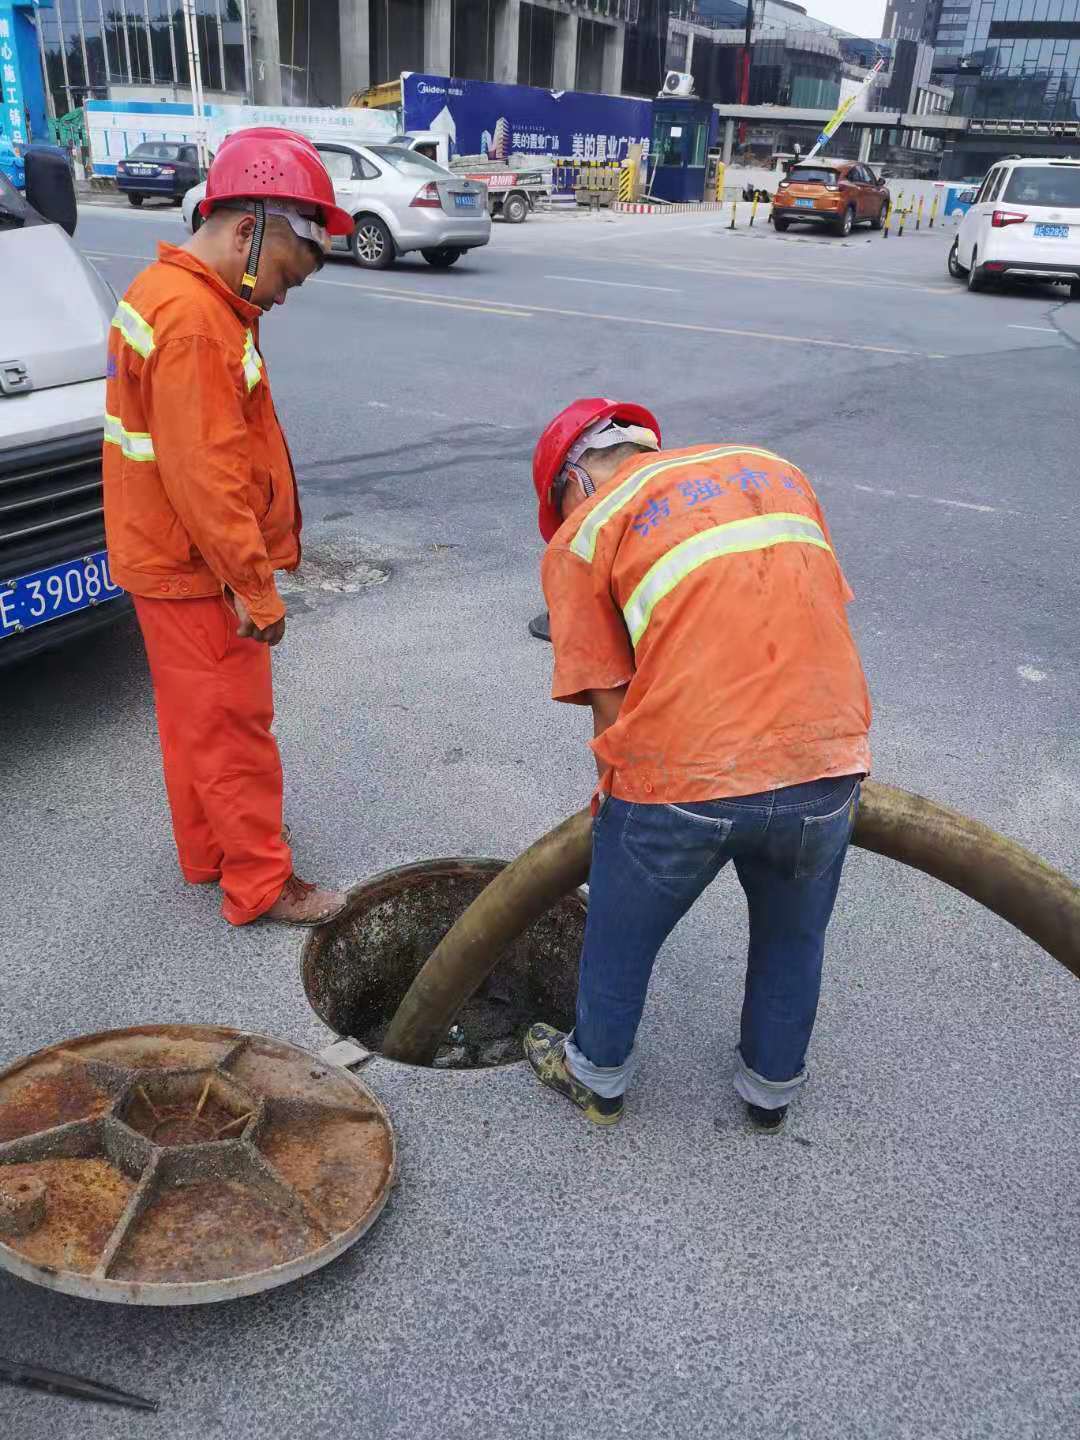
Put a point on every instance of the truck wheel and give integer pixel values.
(443, 257)
(135, 200)
(372, 244)
(515, 208)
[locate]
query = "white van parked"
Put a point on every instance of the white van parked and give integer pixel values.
(1023, 222)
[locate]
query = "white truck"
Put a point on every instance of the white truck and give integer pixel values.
(514, 188)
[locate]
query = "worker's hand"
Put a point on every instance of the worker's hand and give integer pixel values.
(273, 634)
(247, 629)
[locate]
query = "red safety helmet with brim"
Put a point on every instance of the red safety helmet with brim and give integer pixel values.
(268, 163)
(560, 435)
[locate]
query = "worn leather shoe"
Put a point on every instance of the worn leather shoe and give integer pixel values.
(766, 1122)
(540, 627)
(301, 903)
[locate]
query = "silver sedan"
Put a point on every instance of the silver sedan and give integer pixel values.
(399, 201)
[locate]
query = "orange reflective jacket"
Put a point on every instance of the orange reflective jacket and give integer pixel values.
(199, 487)
(705, 580)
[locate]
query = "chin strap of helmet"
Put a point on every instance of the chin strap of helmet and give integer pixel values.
(251, 269)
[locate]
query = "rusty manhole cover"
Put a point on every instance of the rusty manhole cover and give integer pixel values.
(179, 1164)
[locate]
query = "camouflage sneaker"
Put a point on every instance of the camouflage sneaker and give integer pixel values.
(545, 1050)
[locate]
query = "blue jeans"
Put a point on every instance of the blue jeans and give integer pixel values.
(651, 862)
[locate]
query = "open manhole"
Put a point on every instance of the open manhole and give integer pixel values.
(179, 1164)
(357, 969)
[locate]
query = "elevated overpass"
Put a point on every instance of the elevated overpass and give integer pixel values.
(1048, 133)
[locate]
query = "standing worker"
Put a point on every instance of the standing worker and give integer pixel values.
(698, 607)
(201, 509)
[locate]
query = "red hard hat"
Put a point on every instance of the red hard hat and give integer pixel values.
(554, 444)
(266, 163)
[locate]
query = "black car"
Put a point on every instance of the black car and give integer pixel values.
(168, 168)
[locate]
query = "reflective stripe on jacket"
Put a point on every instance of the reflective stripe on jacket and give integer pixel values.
(199, 487)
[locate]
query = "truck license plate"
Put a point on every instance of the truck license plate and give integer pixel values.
(1051, 232)
(464, 201)
(47, 594)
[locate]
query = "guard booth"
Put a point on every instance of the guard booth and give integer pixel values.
(681, 136)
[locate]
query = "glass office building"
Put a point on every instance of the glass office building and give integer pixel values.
(1011, 59)
(96, 48)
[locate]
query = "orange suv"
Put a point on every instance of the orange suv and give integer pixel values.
(840, 194)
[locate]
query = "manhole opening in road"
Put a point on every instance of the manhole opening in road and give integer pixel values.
(357, 969)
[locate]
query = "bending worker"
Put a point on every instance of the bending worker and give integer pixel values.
(201, 509)
(698, 607)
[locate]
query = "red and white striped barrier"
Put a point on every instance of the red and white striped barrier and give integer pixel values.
(643, 207)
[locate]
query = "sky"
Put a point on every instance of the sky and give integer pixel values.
(861, 17)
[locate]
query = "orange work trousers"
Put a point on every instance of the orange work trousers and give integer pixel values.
(215, 706)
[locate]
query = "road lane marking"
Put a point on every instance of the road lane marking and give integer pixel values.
(481, 308)
(787, 275)
(476, 306)
(617, 284)
(1039, 329)
(934, 500)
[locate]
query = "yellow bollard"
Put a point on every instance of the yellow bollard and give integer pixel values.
(900, 228)
(734, 212)
(753, 210)
(721, 172)
(933, 211)
(888, 221)
(918, 217)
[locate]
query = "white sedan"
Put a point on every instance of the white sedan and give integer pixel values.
(1024, 222)
(399, 201)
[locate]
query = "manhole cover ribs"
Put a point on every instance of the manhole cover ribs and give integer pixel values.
(182, 1164)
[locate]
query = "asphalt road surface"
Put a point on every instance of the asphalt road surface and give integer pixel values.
(901, 1261)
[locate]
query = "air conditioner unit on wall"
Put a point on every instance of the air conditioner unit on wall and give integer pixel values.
(677, 82)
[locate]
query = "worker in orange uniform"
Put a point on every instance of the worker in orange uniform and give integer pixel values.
(697, 605)
(201, 509)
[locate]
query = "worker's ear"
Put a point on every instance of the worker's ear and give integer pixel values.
(243, 232)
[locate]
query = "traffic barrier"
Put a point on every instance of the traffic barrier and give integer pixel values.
(626, 181)
(734, 212)
(649, 207)
(571, 175)
(888, 221)
(753, 210)
(918, 217)
(718, 189)
(933, 211)
(900, 228)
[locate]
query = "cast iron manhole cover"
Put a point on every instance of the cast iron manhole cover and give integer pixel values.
(178, 1164)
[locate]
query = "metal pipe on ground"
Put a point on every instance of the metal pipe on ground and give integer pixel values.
(997, 872)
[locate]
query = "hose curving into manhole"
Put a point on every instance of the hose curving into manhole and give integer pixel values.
(997, 872)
